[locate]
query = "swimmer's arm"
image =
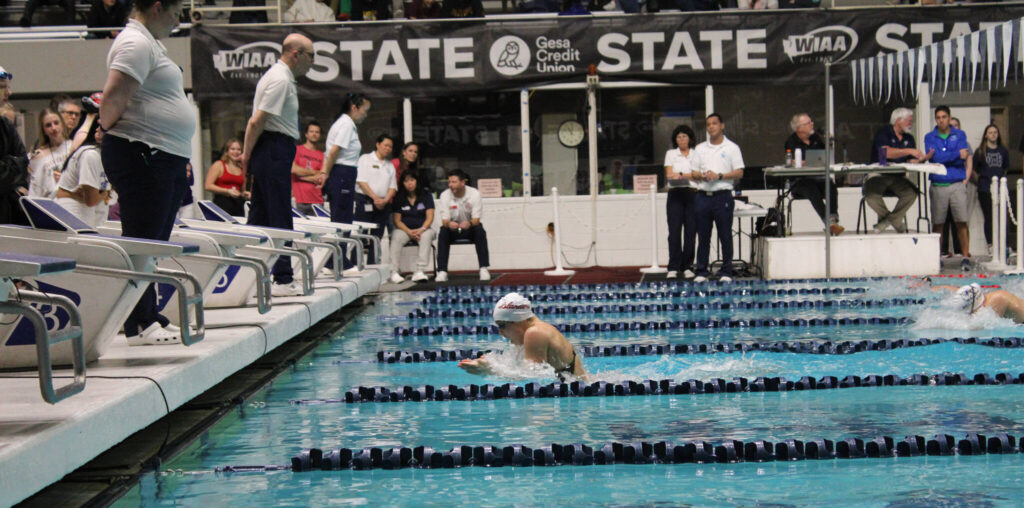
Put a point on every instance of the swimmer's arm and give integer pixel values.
(535, 346)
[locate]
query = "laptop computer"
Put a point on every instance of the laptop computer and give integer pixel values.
(814, 158)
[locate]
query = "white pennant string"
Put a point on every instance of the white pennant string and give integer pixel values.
(863, 80)
(975, 56)
(961, 53)
(1007, 48)
(947, 63)
(991, 57)
(933, 64)
(888, 77)
(871, 80)
(919, 70)
(899, 71)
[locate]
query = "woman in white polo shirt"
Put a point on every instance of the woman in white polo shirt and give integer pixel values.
(375, 185)
(148, 125)
(680, 161)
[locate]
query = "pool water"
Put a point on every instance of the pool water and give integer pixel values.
(270, 428)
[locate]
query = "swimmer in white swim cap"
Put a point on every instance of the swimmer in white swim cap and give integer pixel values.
(1002, 302)
(541, 342)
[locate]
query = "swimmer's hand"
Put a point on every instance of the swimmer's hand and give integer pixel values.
(479, 366)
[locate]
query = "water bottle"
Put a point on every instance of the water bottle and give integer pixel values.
(789, 158)
(883, 159)
(798, 159)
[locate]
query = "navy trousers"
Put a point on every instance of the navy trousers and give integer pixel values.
(682, 229)
(474, 233)
(714, 210)
(150, 184)
(271, 204)
(341, 193)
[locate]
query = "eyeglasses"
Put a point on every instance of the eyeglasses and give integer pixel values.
(72, 113)
(6, 75)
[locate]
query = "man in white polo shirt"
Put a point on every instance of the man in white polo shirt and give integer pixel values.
(461, 209)
(375, 185)
(721, 166)
(269, 148)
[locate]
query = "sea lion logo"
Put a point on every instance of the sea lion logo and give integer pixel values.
(510, 55)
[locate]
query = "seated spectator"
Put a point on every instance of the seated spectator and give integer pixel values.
(899, 147)
(461, 209)
(462, 9)
(52, 149)
(70, 112)
(307, 171)
(83, 186)
(32, 5)
(371, 10)
(812, 188)
(248, 16)
(413, 215)
(697, 5)
(106, 14)
(424, 9)
(375, 185)
(303, 11)
(226, 180)
(757, 4)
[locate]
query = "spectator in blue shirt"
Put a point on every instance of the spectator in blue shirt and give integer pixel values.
(949, 192)
(900, 147)
(991, 160)
(413, 216)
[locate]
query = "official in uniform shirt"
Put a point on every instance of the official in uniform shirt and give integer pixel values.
(375, 185)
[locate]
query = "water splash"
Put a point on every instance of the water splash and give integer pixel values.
(948, 314)
(694, 367)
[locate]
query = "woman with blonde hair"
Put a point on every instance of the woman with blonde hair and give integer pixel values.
(52, 149)
(226, 180)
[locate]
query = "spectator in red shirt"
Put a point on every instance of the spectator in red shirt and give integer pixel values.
(307, 178)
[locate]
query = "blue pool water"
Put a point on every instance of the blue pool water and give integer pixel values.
(270, 428)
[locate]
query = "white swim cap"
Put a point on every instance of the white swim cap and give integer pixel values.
(513, 307)
(970, 297)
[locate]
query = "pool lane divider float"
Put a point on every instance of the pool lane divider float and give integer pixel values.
(640, 295)
(370, 394)
(686, 452)
(802, 347)
(448, 330)
(669, 307)
(598, 286)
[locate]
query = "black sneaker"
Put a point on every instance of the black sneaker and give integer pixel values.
(965, 264)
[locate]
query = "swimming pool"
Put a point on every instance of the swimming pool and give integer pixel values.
(305, 408)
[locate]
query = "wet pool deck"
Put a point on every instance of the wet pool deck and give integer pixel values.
(131, 387)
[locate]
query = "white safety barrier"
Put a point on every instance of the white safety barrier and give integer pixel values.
(994, 205)
(558, 239)
(654, 268)
(1020, 229)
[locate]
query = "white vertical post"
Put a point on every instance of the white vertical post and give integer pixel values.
(709, 100)
(558, 239)
(524, 123)
(592, 83)
(1020, 228)
(654, 268)
(994, 192)
(406, 120)
(1004, 201)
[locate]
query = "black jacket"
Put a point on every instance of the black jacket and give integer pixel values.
(13, 173)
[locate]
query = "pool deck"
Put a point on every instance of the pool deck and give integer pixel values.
(129, 388)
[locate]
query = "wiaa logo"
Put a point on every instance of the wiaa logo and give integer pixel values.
(826, 44)
(510, 55)
(254, 57)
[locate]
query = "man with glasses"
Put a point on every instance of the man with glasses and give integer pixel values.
(812, 188)
(269, 147)
(541, 342)
(71, 113)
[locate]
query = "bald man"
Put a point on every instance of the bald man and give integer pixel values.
(541, 342)
(269, 147)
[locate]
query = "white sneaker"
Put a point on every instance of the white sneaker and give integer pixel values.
(725, 278)
(441, 277)
(173, 329)
(688, 274)
(154, 335)
(484, 274)
(352, 271)
(672, 274)
(700, 278)
(292, 289)
(396, 279)
(419, 276)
